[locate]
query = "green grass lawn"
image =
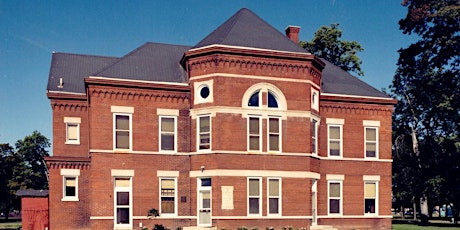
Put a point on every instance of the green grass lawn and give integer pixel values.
(437, 224)
(10, 225)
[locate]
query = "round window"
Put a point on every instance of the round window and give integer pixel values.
(204, 92)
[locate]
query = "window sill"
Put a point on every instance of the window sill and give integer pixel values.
(70, 199)
(72, 142)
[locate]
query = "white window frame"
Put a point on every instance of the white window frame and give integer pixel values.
(130, 206)
(314, 138)
(162, 132)
(340, 182)
(249, 135)
(69, 173)
(259, 197)
(279, 196)
(376, 198)
(279, 134)
(129, 115)
(174, 196)
(376, 142)
(199, 133)
(74, 121)
(329, 126)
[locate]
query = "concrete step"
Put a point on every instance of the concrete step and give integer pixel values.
(322, 227)
(199, 228)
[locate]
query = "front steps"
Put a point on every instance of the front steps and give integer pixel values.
(322, 227)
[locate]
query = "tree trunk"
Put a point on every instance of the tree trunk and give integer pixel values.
(414, 205)
(423, 210)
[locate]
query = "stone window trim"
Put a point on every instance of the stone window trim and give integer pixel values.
(166, 195)
(70, 184)
(165, 131)
(254, 196)
(72, 130)
(274, 194)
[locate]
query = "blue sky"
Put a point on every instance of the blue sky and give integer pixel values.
(31, 30)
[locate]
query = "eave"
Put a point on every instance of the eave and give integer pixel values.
(358, 99)
(96, 80)
(65, 95)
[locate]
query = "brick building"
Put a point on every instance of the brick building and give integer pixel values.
(34, 209)
(245, 128)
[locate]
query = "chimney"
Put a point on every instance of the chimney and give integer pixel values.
(292, 32)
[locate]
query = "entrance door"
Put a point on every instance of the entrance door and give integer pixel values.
(204, 202)
(314, 211)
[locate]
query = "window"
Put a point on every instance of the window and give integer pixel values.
(370, 197)
(168, 195)
(335, 140)
(274, 196)
(371, 141)
(123, 201)
(70, 184)
(204, 133)
(72, 130)
(254, 100)
(314, 137)
(335, 197)
(254, 196)
(122, 131)
(167, 133)
(254, 134)
(274, 136)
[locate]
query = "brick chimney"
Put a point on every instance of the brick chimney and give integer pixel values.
(292, 32)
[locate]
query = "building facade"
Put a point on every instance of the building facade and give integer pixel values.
(245, 128)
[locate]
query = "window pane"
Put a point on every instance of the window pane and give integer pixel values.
(122, 140)
(334, 206)
(274, 125)
(122, 182)
(273, 187)
(206, 199)
(334, 189)
(70, 182)
(272, 103)
(334, 148)
(370, 149)
(370, 190)
(204, 124)
(167, 184)
(254, 187)
(167, 142)
(273, 205)
(254, 143)
(122, 215)
(122, 122)
(70, 191)
(122, 198)
(371, 134)
(72, 132)
(254, 125)
(254, 100)
(334, 132)
(254, 205)
(369, 205)
(274, 142)
(205, 182)
(167, 205)
(313, 128)
(167, 124)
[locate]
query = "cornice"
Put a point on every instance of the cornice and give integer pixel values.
(356, 108)
(126, 83)
(216, 60)
(66, 95)
(359, 99)
(160, 96)
(68, 162)
(68, 105)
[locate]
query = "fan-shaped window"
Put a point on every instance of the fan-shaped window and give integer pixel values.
(272, 103)
(254, 99)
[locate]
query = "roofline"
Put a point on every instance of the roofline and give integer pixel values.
(136, 83)
(65, 95)
(357, 98)
(206, 48)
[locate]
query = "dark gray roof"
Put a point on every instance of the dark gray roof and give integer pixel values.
(248, 30)
(150, 62)
(338, 81)
(32, 193)
(73, 68)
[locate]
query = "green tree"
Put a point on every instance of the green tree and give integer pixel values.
(327, 44)
(427, 117)
(22, 168)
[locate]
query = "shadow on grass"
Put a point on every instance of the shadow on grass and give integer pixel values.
(432, 222)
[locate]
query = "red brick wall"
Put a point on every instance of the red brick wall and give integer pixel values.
(34, 213)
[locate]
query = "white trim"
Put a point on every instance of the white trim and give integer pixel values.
(339, 177)
(340, 198)
(259, 196)
(70, 172)
(122, 173)
(245, 112)
(198, 133)
(280, 134)
(335, 121)
(280, 196)
(139, 81)
(264, 88)
(130, 131)
(130, 203)
(376, 142)
(247, 48)
(376, 198)
(253, 135)
(64, 195)
(121, 109)
(254, 217)
(371, 177)
(197, 86)
(164, 173)
(256, 173)
(160, 196)
(65, 92)
(340, 126)
(76, 120)
(371, 123)
(168, 112)
(160, 132)
(356, 217)
(314, 99)
(255, 77)
(101, 218)
(356, 96)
